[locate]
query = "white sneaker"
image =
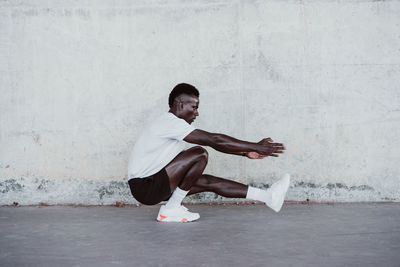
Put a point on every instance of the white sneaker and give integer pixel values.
(278, 192)
(176, 214)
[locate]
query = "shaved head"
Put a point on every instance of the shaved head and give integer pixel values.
(185, 98)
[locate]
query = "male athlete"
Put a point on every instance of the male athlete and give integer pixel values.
(161, 170)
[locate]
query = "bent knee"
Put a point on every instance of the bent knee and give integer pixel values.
(200, 152)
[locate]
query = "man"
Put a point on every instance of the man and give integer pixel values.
(161, 170)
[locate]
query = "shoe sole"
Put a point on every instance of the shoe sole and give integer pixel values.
(162, 218)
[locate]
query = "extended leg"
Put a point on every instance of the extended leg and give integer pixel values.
(272, 197)
(220, 186)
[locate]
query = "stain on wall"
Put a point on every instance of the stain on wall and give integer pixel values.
(27, 192)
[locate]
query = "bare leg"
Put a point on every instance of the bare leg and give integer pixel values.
(186, 171)
(220, 186)
(186, 168)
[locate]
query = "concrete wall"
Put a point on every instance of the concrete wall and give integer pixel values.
(80, 78)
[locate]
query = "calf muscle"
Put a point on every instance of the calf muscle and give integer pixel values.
(220, 186)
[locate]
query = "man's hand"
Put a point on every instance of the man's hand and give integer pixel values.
(269, 148)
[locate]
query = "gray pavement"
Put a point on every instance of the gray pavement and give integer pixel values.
(225, 235)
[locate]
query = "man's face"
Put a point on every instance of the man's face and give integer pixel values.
(188, 107)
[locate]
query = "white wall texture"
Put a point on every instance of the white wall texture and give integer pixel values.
(80, 78)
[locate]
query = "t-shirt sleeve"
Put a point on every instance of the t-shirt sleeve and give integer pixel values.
(177, 129)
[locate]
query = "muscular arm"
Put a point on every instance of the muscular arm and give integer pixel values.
(230, 145)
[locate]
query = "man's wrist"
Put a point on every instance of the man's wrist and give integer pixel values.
(244, 154)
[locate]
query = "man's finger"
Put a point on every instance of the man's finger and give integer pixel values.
(279, 147)
(277, 144)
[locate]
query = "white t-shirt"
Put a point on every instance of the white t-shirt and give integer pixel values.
(158, 144)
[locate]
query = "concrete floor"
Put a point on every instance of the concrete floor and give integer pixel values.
(225, 235)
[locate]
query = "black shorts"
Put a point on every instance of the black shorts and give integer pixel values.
(152, 189)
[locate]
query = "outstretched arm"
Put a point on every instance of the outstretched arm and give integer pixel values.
(230, 145)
